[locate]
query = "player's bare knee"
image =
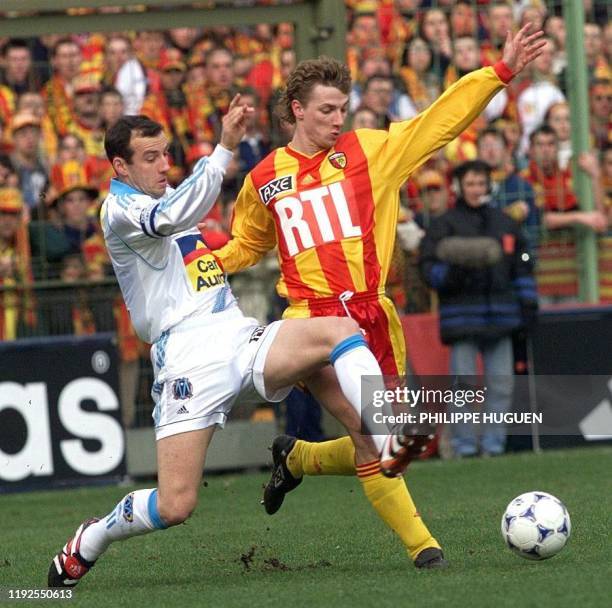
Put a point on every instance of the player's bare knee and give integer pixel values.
(348, 326)
(178, 509)
(341, 328)
(176, 515)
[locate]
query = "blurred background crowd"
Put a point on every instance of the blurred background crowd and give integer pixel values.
(58, 94)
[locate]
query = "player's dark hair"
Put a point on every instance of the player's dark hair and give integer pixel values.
(305, 77)
(542, 130)
(117, 139)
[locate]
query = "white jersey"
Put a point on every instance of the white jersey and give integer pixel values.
(164, 268)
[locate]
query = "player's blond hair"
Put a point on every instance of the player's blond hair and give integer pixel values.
(307, 74)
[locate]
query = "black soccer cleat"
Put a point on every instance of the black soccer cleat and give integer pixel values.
(402, 446)
(68, 567)
(430, 558)
(282, 481)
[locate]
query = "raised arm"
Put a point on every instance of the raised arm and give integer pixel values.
(410, 143)
(186, 205)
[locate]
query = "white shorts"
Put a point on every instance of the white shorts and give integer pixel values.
(204, 365)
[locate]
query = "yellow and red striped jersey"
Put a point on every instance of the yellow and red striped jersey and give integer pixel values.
(333, 215)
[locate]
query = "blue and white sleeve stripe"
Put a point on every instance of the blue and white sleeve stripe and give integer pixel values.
(147, 222)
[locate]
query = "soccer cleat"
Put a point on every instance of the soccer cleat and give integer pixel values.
(68, 567)
(402, 446)
(430, 558)
(282, 481)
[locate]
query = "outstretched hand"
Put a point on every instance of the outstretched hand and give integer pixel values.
(234, 123)
(522, 48)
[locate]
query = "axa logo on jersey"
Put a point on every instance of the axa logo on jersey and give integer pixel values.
(317, 216)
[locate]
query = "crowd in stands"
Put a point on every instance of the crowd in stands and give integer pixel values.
(59, 93)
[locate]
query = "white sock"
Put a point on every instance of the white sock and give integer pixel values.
(352, 359)
(135, 514)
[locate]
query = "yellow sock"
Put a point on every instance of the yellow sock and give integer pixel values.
(394, 505)
(335, 457)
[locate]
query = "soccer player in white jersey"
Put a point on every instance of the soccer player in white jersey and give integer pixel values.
(206, 355)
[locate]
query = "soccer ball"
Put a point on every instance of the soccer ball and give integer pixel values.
(536, 525)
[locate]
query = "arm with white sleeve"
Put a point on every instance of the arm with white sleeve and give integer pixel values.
(184, 207)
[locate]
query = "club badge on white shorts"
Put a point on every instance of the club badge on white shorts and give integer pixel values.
(182, 388)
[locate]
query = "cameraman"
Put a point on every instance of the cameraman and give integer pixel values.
(476, 258)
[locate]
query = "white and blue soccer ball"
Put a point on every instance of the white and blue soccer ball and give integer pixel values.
(536, 525)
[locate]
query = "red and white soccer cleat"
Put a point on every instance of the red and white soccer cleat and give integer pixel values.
(404, 444)
(68, 567)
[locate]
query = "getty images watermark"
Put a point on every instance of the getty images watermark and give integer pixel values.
(555, 405)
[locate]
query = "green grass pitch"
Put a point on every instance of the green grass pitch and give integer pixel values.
(326, 547)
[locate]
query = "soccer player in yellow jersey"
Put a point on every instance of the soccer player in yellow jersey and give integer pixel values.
(329, 200)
